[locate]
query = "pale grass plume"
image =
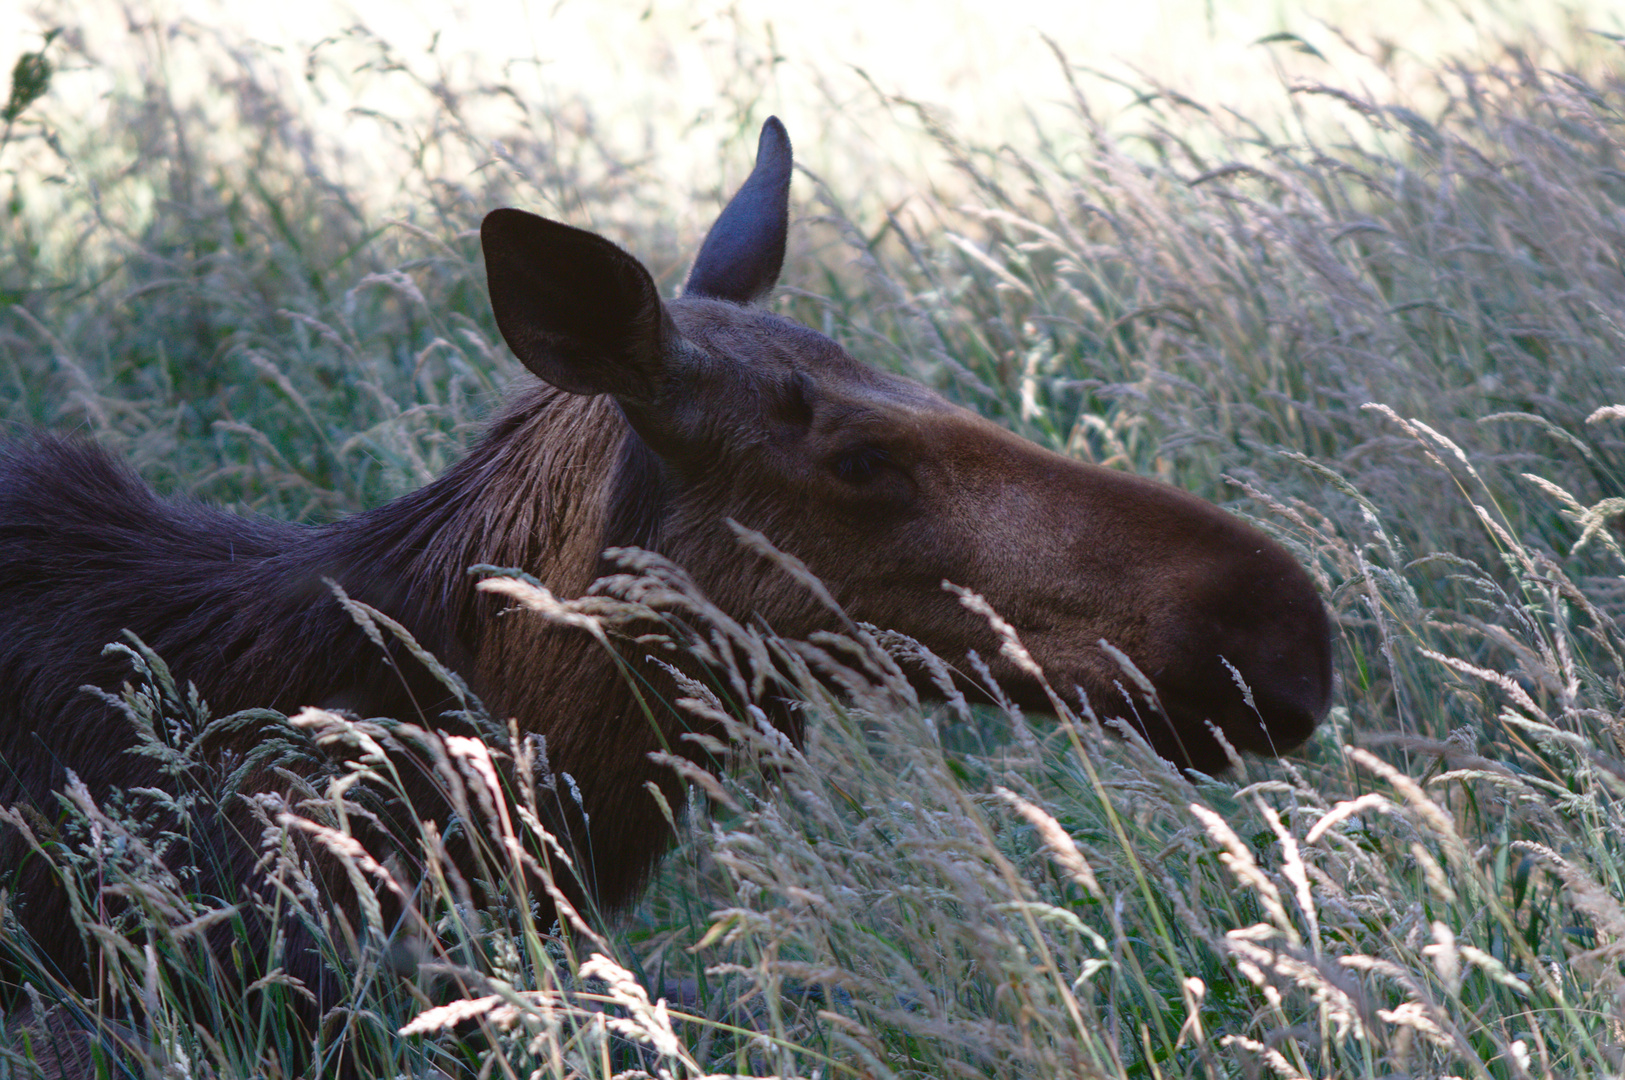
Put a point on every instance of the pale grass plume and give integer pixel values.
(1594, 520)
(1438, 820)
(1231, 754)
(1505, 683)
(1601, 904)
(1421, 1018)
(333, 729)
(1376, 964)
(1277, 1062)
(1061, 846)
(1546, 732)
(1277, 969)
(443, 1017)
(1494, 968)
(1294, 870)
(1446, 956)
(475, 757)
(645, 1021)
(540, 599)
(1194, 990)
(1239, 860)
(1434, 874)
(1010, 645)
(1348, 808)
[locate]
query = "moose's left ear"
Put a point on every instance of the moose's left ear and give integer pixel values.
(577, 310)
(744, 251)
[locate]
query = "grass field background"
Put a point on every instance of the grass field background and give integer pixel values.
(1362, 283)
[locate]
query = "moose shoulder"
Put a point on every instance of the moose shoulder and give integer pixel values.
(654, 424)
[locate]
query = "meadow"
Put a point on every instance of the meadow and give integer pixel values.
(1388, 325)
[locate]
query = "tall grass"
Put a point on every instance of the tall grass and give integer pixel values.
(1387, 328)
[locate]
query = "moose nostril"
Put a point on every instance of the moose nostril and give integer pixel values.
(1262, 668)
(1288, 722)
(1293, 691)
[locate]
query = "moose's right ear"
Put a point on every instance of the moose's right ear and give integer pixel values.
(577, 310)
(744, 251)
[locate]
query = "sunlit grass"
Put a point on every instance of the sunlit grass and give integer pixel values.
(1383, 319)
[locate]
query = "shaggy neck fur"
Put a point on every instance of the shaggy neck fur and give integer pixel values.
(240, 607)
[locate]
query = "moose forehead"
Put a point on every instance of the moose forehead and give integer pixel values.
(757, 352)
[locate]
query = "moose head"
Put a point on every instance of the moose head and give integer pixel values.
(888, 491)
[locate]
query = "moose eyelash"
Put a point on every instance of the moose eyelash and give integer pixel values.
(859, 464)
(798, 399)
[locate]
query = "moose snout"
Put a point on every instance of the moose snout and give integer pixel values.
(1225, 623)
(1252, 657)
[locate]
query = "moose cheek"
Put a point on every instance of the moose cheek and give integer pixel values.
(883, 500)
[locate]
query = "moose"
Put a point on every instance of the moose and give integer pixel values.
(655, 424)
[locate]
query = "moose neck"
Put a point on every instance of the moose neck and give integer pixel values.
(555, 480)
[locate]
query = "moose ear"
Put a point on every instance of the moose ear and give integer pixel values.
(743, 252)
(577, 310)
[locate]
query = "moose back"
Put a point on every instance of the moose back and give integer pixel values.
(649, 423)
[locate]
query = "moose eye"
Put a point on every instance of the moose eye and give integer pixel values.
(859, 464)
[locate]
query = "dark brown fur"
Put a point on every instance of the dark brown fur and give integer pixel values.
(663, 421)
